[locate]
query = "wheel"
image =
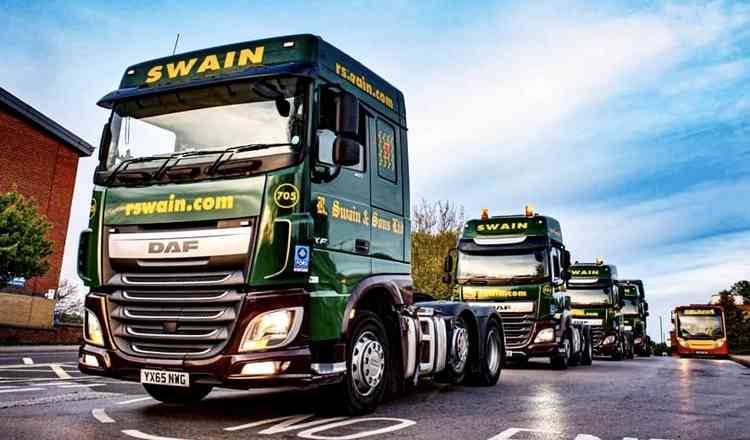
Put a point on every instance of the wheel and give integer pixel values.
(587, 357)
(575, 358)
(494, 355)
(367, 360)
(458, 360)
(169, 394)
(631, 349)
(560, 362)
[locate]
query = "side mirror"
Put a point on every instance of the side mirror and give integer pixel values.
(566, 302)
(620, 302)
(645, 306)
(566, 260)
(346, 152)
(447, 278)
(347, 114)
(106, 139)
(448, 263)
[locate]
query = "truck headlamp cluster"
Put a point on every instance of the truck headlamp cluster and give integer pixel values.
(545, 335)
(272, 329)
(608, 340)
(92, 330)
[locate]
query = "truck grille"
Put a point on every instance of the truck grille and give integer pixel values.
(517, 328)
(173, 321)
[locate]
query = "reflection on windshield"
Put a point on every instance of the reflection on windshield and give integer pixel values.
(701, 326)
(532, 264)
(630, 308)
(211, 118)
(588, 296)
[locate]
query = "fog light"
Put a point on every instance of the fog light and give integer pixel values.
(264, 368)
(545, 335)
(90, 360)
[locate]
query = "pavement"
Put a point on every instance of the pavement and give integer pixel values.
(43, 395)
(742, 360)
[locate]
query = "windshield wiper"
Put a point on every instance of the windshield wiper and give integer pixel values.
(231, 151)
(122, 166)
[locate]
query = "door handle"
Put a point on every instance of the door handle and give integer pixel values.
(362, 246)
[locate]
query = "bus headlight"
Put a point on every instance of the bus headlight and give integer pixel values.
(545, 335)
(273, 329)
(92, 330)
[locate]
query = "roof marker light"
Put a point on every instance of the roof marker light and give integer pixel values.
(485, 213)
(599, 261)
(529, 211)
(288, 44)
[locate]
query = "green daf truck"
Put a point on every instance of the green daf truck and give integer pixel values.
(596, 302)
(518, 265)
(635, 313)
(249, 227)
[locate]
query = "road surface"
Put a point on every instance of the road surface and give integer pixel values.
(43, 396)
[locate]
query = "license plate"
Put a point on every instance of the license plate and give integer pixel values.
(169, 378)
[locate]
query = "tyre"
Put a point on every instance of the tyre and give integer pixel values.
(491, 363)
(631, 349)
(168, 394)
(575, 358)
(587, 357)
(619, 353)
(560, 362)
(367, 359)
(458, 359)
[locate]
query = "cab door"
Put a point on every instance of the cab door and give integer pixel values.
(387, 189)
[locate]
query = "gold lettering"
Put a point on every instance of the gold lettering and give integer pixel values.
(247, 55)
(181, 68)
(229, 59)
(154, 74)
(211, 62)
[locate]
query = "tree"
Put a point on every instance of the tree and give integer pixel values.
(435, 230)
(23, 246)
(741, 288)
(737, 324)
(69, 302)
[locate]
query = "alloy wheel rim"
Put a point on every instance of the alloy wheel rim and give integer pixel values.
(368, 363)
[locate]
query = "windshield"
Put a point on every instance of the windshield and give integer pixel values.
(268, 111)
(528, 265)
(630, 308)
(700, 326)
(588, 296)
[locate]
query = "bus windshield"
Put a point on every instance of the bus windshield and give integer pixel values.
(700, 326)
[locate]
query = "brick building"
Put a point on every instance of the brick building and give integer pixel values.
(39, 157)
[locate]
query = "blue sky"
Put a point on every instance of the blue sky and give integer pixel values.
(628, 121)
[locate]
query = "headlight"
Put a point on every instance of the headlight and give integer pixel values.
(545, 335)
(92, 332)
(638, 340)
(628, 328)
(272, 329)
(609, 340)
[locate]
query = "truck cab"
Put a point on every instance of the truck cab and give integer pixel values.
(635, 313)
(518, 264)
(250, 227)
(596, 301)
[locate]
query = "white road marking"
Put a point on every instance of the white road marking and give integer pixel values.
(59, 371)
(84, 385)
(510, 432)
(140, 399)
(312, 433)
(66, 364)
(28, 361)
(40, 379)
(101, 416)
(288, 423)
(142, 435)
(21, 390)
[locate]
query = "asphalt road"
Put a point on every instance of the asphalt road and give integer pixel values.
(44, 396)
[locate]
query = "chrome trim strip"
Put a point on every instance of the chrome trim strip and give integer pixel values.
(168, 353)
(173, 298)
(288, 248)
(171, 283)
(168, 317)
(130, 331)
(490, 240)
(204, 243)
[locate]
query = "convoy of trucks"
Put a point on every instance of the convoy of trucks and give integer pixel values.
(519, 265)
(250, 227)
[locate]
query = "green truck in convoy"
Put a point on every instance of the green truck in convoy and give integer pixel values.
(519, 264)
(635, 312)
(596, 301)
(249, 227)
